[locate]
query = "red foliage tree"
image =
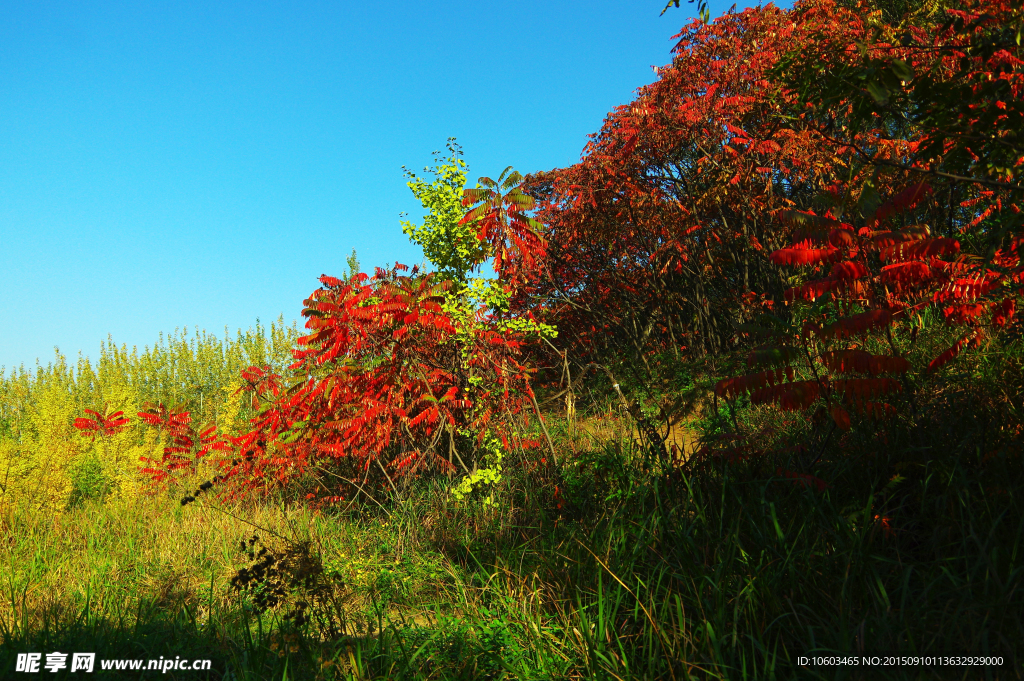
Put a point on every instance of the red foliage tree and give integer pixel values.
(184, 446)
(658, 232)
(929, 119)
(514, 238)
(801, 178)
(379, 387)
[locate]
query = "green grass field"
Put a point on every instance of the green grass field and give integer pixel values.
(717, 572)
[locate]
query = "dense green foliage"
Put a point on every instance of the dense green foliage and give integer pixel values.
(447, 242)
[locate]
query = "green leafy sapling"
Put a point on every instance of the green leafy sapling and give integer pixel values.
(353, 265)
(452, 247)
(476, 305)
(486, 477)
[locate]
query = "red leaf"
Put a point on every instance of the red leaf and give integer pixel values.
(966, 313)
(882, 240)
(906, 199)
(811, 290)
(841, 417)
(909, 250)
(1002, 313)
(859, 361)
(865, 388)
(803, 256)
(905, 274)
(848, 270)
(842, 238)
(972, 338)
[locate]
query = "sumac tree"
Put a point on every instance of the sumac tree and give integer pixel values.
(401, 374)
(923, 118)
(819, 183)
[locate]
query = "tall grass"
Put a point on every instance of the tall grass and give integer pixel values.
(717, 573)
(187, 367)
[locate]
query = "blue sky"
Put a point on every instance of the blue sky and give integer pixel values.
(165, 164)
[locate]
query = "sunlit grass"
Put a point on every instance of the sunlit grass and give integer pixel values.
(721, 574)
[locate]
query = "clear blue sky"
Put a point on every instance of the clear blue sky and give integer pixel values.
(167, 164)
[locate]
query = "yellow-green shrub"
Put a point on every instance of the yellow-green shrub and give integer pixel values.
(45, 461)
(37, 469)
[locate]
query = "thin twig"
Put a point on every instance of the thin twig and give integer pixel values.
(455, 450)
(536, 408)
(382, 470)
(247, 522)
(357, 486)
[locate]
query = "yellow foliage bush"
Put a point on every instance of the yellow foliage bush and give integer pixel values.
(229, 413)
(44, 460)
(37, 469)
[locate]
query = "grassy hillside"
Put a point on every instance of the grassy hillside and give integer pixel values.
(632, 570)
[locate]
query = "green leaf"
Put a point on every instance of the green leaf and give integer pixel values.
(773, 356)
(878, 92)
(902, 70)
(513, 180)
(869, 200)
